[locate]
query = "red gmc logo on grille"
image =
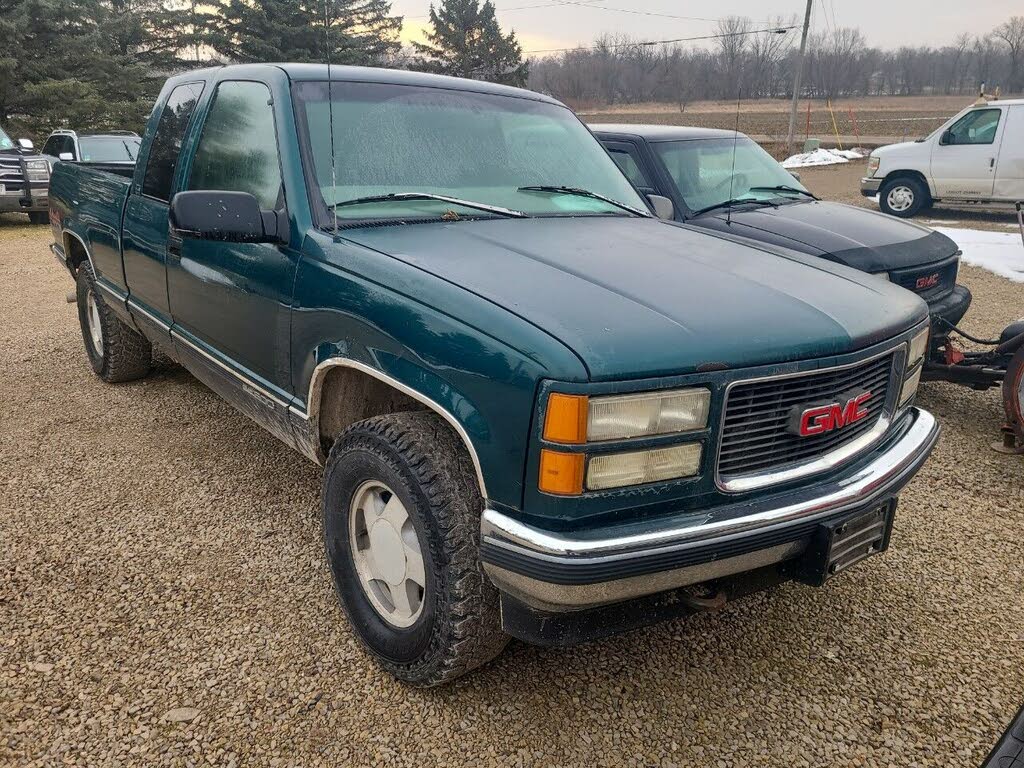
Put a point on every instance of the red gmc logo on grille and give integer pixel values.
(819, 419)
(927, 282)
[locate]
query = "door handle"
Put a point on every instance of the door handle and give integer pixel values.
(991, 162)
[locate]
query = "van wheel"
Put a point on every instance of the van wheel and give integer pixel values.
(903, 196)
(402, 512)
(116, 351)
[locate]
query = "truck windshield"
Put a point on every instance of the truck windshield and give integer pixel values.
(109, 149)
(5, 140)
(703, 171)
(399, 139)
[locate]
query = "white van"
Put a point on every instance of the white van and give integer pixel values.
(975, 157)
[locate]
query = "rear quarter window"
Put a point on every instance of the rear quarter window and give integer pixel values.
(170, 131)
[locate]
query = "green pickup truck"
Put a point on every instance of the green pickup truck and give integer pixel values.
(542, 412)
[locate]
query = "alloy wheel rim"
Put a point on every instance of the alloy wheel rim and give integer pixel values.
(900, 198)
(92, 313)
(387, 554)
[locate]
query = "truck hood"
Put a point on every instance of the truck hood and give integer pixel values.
(638, 297)
(866, 240)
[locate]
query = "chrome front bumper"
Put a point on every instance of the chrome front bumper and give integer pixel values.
(556, 571)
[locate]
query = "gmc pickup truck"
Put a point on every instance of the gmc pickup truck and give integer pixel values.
(542, 412)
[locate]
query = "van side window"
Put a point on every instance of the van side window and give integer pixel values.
(977, 127)
(238, 148)
(170, 131)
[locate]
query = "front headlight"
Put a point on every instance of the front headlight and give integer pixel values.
(873, 163)
(38, 170)
(576, 419)
(615, 470)
(918, 347)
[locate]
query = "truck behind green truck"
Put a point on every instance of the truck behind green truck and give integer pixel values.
(542, 412)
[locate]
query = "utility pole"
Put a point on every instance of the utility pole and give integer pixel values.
(796, 80)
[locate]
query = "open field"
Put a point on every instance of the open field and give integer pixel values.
(894, 119)
(164, 601)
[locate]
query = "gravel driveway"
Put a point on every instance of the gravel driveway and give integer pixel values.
(163, 600)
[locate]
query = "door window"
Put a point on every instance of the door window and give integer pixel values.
(977, 127)
(50, 147)
(238, 148)
(628, 165)
(166, 146)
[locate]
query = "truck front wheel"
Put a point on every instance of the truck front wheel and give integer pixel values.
(903, 196)
(116, 351)
(402, 512)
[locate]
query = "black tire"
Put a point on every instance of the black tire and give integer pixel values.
(123, 354)
(903, 196)
(39, 217)
(419, 458)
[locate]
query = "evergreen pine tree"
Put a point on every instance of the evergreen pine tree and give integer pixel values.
(361, 31)
(466, 41)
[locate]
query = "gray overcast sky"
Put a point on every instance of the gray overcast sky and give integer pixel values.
(885, 23)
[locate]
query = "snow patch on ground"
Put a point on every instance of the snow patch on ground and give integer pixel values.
(823, 157)
(999, 252)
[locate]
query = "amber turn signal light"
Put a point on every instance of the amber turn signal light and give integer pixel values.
(566, 419)
(561, 473)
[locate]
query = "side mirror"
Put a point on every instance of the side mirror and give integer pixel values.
(26, 144)
(233, 217)
(65, 156)
(946, 138)
(662, 206)
(795, 175)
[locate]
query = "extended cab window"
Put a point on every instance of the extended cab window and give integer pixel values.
(238, 148)
(170, 131)
(977, 127)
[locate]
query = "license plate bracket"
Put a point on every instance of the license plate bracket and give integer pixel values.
(841, 543)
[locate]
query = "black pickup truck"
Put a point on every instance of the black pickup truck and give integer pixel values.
(24, 178)
(725, 182)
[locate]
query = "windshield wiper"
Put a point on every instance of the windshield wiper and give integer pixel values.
(784, 188)
(584, 193)
(496, 209)
(734, 201)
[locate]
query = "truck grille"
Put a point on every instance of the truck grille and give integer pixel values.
(10, 174)
(755, 437)
(931, 282)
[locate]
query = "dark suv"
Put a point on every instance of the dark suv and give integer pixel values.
(24, 179)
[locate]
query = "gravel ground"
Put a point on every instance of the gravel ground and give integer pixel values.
(163, 600)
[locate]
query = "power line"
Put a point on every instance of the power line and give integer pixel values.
(773, 30)
(585, 4)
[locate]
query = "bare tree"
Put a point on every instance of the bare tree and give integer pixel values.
(1012, 34)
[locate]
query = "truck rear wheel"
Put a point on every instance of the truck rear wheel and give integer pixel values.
(903, 196)
(402, 512)
(116, 351)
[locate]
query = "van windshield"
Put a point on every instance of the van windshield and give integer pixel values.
(5, 140)
(484, 148)
(706, 174)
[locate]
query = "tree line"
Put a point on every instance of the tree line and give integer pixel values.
(99, 64)
(742, 60)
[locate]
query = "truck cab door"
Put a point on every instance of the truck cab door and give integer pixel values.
(144, 231)
(1009, 184)
(964, 155)
(231, 302)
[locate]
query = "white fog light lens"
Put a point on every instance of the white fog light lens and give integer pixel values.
(616, 470)
(910, 385)
(652, 413)
(918, 346)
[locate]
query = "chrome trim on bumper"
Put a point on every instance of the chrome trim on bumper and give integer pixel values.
(869, 186)
(539, 551)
